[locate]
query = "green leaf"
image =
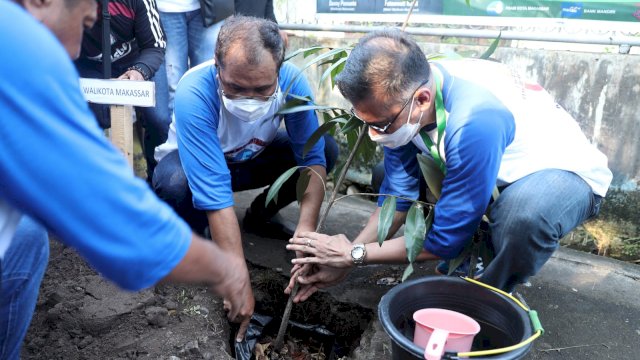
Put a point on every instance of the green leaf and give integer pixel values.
(306, 52)
(329, 71)
(335, 73)
(320, 131)
(302, 99)
(301, 185)
(414, 231)
(315, 60)
(407, 272)
(494, 45)
(367, 149)
(352, 123)
(275, 187)
(468, 3)
(432, 174)
(385, 218)
(286, 109)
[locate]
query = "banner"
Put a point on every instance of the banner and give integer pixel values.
(626, 11)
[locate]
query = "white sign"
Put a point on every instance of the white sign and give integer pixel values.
(119, 92)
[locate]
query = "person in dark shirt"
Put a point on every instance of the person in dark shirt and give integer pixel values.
(137, 53)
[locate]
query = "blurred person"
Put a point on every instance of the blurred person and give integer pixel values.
(137, 53)
(107, 214)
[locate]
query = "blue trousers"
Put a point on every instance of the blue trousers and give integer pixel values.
(528, 220)
(189, 43)
(21, 272)
(170, 182)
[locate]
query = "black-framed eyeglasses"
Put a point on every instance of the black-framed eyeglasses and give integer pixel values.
(385, 127)
(263, 98)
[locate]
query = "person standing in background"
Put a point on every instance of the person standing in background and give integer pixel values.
(189, 41)
(137, 53)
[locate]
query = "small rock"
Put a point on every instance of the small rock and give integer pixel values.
(207, 356)
(574, 289)
(388, 281)
(638, 331)
(85, 342)
(171, 305)
(278, 269)
(190, 348)
(174, 358)
(203, 339)
(157, 316)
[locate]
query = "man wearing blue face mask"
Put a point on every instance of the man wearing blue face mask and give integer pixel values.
(226, 136)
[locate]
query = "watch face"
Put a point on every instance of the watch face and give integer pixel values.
(357, 253)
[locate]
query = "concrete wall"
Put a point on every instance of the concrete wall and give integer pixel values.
(600, 90)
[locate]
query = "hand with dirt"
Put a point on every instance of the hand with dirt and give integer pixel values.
(238, 295)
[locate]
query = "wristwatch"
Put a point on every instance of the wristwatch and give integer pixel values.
(358, 253)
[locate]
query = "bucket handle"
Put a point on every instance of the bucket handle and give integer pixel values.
(533, 317)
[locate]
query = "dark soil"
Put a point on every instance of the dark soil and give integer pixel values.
(79, 315)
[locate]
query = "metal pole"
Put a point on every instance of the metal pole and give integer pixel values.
(106, 40)
(470, 33)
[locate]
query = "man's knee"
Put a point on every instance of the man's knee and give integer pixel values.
(169, 180)
(30, 244)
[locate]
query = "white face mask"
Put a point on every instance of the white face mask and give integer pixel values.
(401, 136)
(249, 110)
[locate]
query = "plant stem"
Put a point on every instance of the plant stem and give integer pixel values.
(343, 174)
(406, 21)
(277, 345)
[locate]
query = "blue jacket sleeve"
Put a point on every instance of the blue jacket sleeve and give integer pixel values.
(473, 155)
(200, 151)
(57, 166)
(301, 125)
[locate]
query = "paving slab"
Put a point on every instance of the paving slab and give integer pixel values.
(589, 305)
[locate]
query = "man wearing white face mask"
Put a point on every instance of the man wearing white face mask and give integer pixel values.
(229, 138)
(485, 127)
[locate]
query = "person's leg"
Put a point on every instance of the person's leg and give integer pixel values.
(528, 220)
(176, 53)
(156, 120)
(21, 271)
(270, 164)
(170, 184)
(202, 40)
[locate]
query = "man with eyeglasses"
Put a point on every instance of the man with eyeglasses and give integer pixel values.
(485, 127)
(229, 138)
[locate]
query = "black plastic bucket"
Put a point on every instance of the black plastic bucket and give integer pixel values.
(502, 322)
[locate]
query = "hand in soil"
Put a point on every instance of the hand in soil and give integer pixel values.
(235, 288)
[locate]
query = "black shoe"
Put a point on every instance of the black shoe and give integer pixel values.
(274, 228)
